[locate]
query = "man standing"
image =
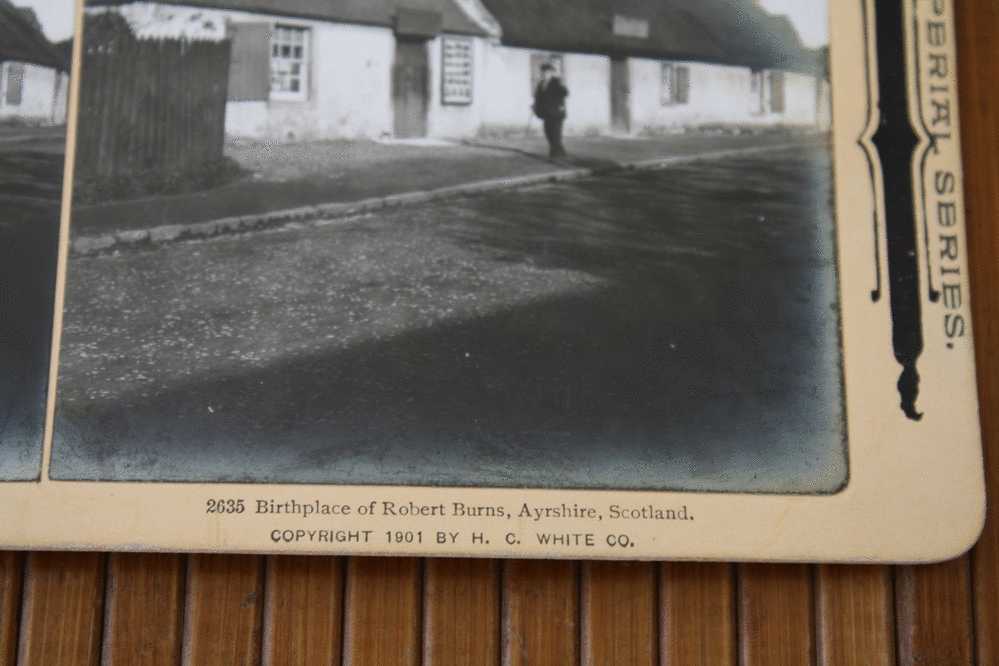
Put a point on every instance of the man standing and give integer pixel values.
(549, 105)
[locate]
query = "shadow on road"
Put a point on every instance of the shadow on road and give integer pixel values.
(30, 191)
(570, 161)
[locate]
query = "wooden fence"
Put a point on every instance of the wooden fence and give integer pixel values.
(150, 105)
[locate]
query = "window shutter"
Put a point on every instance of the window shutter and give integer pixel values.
(757, 92)
(682, 85)
(15, 83)
(668, 84)
(250, 69)
(777, 92)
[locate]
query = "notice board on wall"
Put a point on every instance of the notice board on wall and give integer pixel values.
(457, 74)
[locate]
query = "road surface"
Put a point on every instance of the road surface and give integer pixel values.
(650, 329)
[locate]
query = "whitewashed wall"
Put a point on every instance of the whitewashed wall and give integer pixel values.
(824, 118)
(509, 94)
(801, 96)
(719, 94)
(350, 86)
(589, 103)
(42, 95)
(507, 89)
(350, 75)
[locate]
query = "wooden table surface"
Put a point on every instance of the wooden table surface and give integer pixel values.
(72, 609)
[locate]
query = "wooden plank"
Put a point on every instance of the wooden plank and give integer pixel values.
(856, 621)
(540, 613)
(152, 102)
(383, 611)
(619, 602)
(63, 609)
(978, 28)
(224, 606)
(303, 614)
(933, 611)
(11, 578)
(145, 609)
(776, 624)
(697, 614)
(461, 604)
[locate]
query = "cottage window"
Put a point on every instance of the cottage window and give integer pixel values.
(675, 84)
(13, 83)
(289, 63)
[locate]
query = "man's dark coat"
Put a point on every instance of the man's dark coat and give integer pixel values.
(549, 99)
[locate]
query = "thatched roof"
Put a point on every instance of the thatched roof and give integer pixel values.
(733, 32)
(21, 38)
(365, 12)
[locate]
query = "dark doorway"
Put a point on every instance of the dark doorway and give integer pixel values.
(620, 96)
(411, 88)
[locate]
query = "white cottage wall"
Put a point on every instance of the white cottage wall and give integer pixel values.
(350, 73)
(824, 111)
(350, 85)
(350, 90)
(799, 103)
(509, 94)
(589, 104)
(801, 97)
(39, 90)
(718, 94)
(507, 91)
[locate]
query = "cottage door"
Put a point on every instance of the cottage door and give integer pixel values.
(411, 88)
(620, 96)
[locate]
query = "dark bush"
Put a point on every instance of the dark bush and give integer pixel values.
(157, 182)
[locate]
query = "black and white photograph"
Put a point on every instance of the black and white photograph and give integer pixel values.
(35, 62)
(559, 244)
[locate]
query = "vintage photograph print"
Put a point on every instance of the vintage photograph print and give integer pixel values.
(484, 243)
(604, 279)
(35, 59)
